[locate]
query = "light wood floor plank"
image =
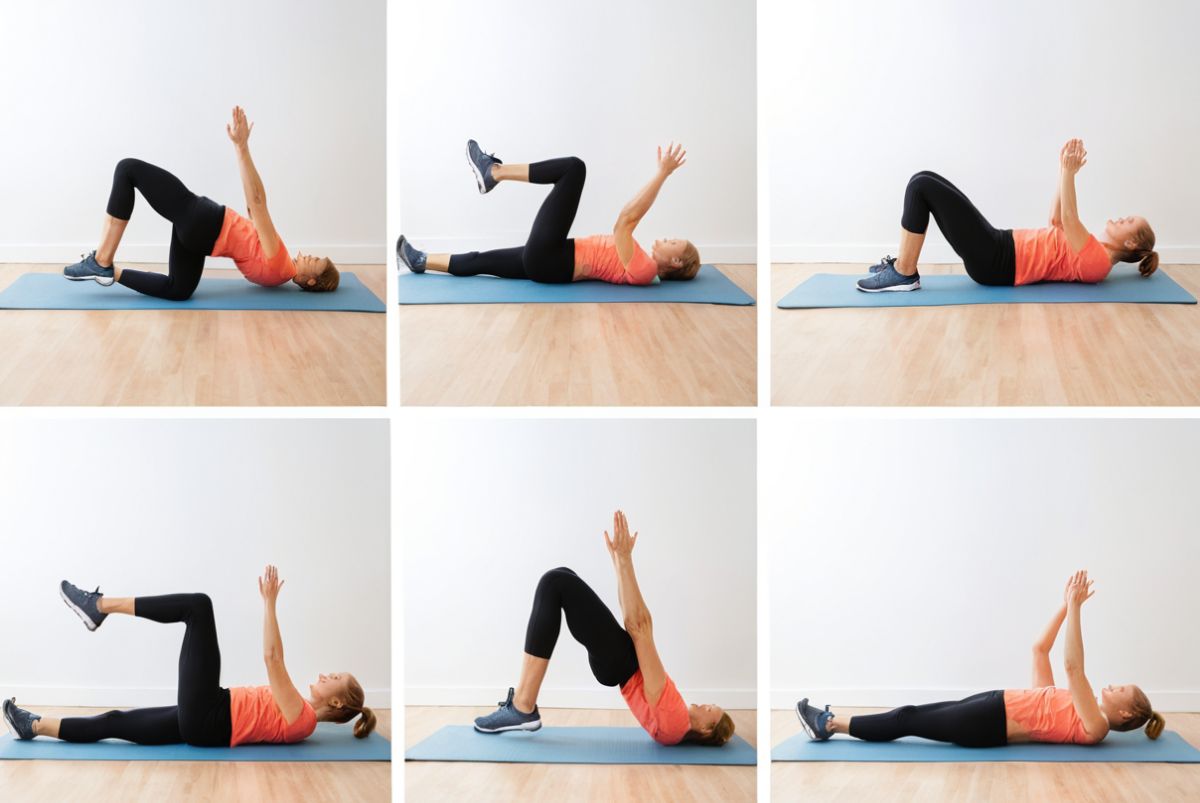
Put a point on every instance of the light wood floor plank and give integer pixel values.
(581, 354)
(984, 354)
(458, 781)
(177, 357)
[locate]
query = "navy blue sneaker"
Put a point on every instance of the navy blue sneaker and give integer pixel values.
(19, 721)
(508, 718)
(481, 166)
(88, 268)
(887, 261)
(86, 604)
(814, 720)
(888, 279)
(408, 256)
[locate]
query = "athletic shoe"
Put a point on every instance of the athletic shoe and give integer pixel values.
(481, 166)
(883, 263)
(408, 256)
(814, 720)
(88, 268)
(888, 280)
(508, 718)
(85, 603)
(19, 721)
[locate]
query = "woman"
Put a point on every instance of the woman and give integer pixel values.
(624, 657)
(1043, 713)
(1063, 252)
(550, 255)
(200, 228)
(206, 715)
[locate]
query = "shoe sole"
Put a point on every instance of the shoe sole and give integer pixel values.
(475, 172)
(10, 726)
(524, 726)
(896, 288)
(804, 723)
(87, 620)
(103, 281)
(400, 260)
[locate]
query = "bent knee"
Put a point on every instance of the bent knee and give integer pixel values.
(576, 165)
(200, 602)
(127, 164)
(923, 177)
(556, 576)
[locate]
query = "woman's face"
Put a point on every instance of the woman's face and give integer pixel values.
(330, 687)
(1117, 698)
(1124, 231)
(666, 251)
(308, 268)
(704, 717)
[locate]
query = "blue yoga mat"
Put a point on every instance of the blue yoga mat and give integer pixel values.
(52, 291)
(1169, 748)
(572, 746)
(709, 287)
(330, 742)
(1124, 286)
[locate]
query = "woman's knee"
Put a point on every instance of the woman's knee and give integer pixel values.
(127, 165)
(556, 577)
(200, 602)
(577, 165)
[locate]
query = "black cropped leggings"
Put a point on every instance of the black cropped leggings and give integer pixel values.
(201, 716)
(196, 225)
(987, 252)
(976, 721)
(610, 649)
(548, 255)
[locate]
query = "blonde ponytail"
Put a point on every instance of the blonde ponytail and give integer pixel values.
(1149, 263)
(366, 723)
(1155, 725)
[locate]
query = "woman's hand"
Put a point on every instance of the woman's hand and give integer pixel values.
(1072, 156)
(672, 160)
(1079, 589)
(620, 544)
(269, 584)
(239, 129)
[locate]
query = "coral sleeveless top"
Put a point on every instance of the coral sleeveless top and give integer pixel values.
(597, 256)
(1047, 714)
(256, 718)
(1043, 255)
(668, 722)
(239, 241)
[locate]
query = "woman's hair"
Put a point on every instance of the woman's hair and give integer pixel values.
(327, 279)
(722, 732)
(1143, 714)
(689, 268)
(1144, 254)
(353, 706)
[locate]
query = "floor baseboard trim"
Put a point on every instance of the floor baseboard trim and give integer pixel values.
(598, 697)
(785, 699)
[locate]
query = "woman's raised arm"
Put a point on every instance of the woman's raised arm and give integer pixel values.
(1071, 158)
(282, 689)
(256, 194)
(636, 209)
(633, 608)
(1079, 590)
(1043, 672)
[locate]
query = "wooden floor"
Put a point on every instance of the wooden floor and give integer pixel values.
(184, 357)
(987, 354)
(122, 781)
(496, 783)
(581, 354)
(1000, 782)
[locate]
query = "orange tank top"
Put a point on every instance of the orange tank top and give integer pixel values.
(597, 257)
(668, 722)
(1043, 255)
(239, 241)
(256, 718)
(1047, 715)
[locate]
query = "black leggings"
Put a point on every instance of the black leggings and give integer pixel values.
(202, 716)
(610, 649)
(987, 252)
(548, 255)
(976, 721)
(197, 223)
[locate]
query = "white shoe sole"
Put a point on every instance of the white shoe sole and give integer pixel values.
(524, 726)
(475, 172)
(87, 620)
(804, 724)
(10, 727)
(103, 281)
(896, 288)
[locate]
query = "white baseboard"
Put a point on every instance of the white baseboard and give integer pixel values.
(114, 697)
(936, 253)
(60, 254)
(785, 699)
(582, 697)
(722, 253)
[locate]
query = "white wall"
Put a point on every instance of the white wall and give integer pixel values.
(154, 507)
(914, 560)
(605, 80)
(859, 96)
(491, 505)
(89, 83)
